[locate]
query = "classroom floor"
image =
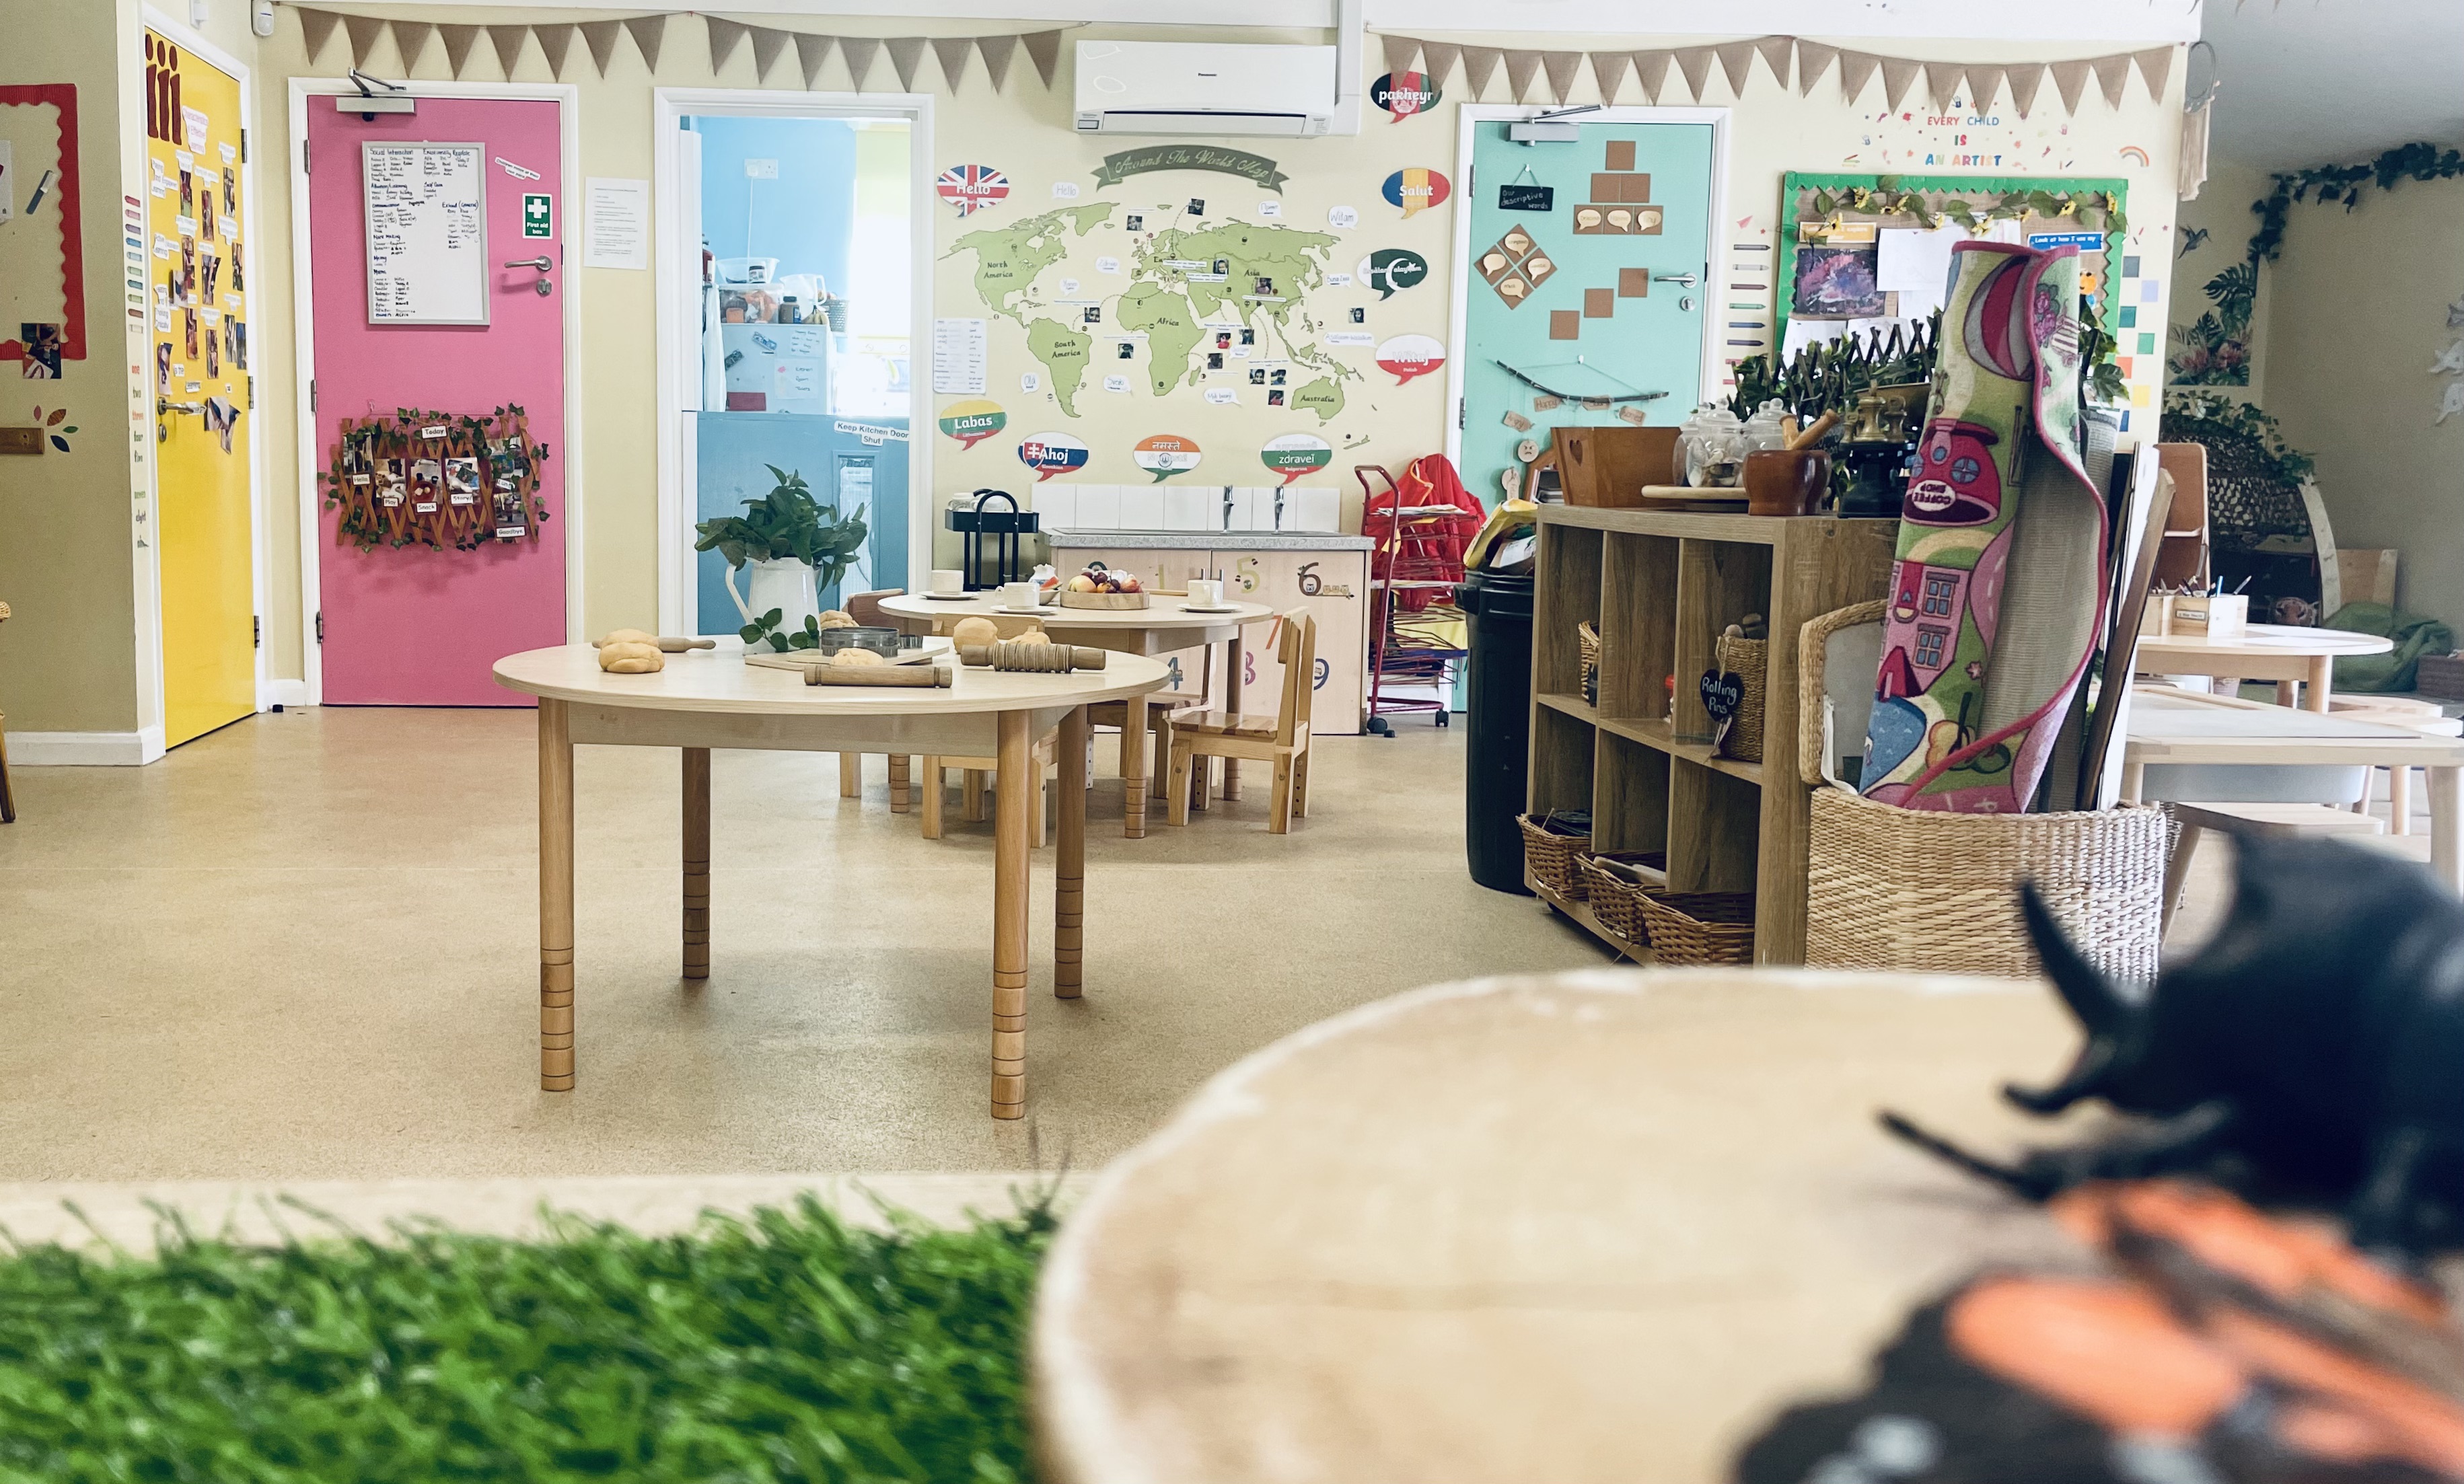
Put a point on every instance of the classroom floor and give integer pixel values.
(304, 947)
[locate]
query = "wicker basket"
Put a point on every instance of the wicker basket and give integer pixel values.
(1698, 927)
(1917, 889)
(1589, 639)
(1554, 860)
(1750, 660)
(1616, 901)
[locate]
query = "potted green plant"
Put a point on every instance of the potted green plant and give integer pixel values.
(797, 548)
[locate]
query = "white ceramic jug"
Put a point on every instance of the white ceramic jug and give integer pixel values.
(781, 582)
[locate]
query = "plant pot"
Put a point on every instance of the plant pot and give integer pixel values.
(1785, 481)
(781, 582)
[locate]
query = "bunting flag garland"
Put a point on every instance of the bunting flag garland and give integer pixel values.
(1942, 80)
(412, 40)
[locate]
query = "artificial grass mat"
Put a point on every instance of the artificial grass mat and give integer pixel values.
(785, 1346)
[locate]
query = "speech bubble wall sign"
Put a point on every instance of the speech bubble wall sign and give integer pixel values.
(1410, 355)
(1415, 189)
(1390, 268)
(1294, 454)
(1166, 455)
(1051, 453)
(973, 422)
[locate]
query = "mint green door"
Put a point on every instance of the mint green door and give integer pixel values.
(1585, 297)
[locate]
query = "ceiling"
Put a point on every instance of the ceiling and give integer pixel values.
(2332, 81)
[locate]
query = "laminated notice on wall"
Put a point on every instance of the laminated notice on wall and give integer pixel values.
(959, 353)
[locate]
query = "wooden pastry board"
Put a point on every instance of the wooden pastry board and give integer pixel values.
(1690, 497)
(797, 659)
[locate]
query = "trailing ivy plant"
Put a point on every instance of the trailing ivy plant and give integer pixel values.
(2345, 183)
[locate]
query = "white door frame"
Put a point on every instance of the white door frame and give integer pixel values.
(570, 189)
(677, 249)
(149, 565)
(1715, 261)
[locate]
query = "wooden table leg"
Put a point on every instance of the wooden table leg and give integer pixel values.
(1233, 661)
(898, 786)
(2446, 815)
(698, 862)
(2399, 800)
(555, 895)
(1134, 768)
(850, 775)
(1070, 867)
(2322, 683)
(1009, 918)
(2134, 780)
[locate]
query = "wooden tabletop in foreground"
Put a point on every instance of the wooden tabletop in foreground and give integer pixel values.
(1590, 1227)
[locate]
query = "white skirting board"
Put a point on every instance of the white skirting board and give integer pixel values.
(289, 694)
(84, 748)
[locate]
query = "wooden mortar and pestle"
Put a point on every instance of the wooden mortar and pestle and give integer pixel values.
(1790, 480)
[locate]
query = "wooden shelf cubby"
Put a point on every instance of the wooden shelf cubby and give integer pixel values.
(1661, 585)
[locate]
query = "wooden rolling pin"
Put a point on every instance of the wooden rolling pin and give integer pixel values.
(1813, 431)
(667, 643)
(1024, 654)
(914, 676)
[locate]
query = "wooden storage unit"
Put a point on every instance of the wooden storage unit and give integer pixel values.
(1659, 586)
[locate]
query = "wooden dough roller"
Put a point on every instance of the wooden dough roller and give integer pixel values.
(1030, 654)
(916, 676)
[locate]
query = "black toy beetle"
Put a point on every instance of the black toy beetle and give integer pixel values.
(2314, 1049)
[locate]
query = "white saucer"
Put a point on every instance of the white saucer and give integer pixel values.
(1193, 608)
(1023, 613)
(948, 597)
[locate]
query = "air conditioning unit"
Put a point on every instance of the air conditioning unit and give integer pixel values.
(1180, 87)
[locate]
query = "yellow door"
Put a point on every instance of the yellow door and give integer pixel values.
(198, 287)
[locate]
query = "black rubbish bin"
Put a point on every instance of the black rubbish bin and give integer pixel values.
(1497, 710)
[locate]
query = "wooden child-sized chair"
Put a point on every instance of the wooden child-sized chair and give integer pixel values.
(1040, 759)
(1281, 739)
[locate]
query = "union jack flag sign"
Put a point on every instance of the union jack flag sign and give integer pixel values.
(972, 187)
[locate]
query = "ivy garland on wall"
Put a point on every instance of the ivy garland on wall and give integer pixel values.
(2348, 184)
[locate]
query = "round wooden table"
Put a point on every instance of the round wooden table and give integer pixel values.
(2284, 653)
(712, 698)
(1597, 1226)
(1161, 627)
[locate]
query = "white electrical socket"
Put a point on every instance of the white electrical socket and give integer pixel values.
(761, 169)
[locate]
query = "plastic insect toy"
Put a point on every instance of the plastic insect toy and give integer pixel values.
(2314, 1051)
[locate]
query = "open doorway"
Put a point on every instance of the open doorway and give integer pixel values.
(791, 281)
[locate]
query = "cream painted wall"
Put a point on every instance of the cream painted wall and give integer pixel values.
(2359, 314)
(1025, 131)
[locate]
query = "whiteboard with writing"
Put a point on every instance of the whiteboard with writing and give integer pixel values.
(427, 232)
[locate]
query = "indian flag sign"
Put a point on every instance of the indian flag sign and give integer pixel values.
(1166, 455)
(971, 423)
(1294, 454)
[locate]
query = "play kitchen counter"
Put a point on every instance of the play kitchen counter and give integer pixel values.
(1659, 586)
(1328, 574)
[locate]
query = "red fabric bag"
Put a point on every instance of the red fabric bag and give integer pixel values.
(1437, 555)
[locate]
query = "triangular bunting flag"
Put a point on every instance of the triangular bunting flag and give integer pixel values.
(1737, 61)
(556, 43)
(2071, 79)
(1813, 60)
(2113, 74)
(1942, 80)
(364, 30)
(1479, 64)
(1609, 70)
(1521, 66)
(410, 39)
(316, 28)
(1774, 51)
(812, 50)
(1856, 70)
(1399, 51)
(723, 37)
(1695, 62)
(996, 51)
(1651, 70)
(600, 37)
(1560, 67)
(1983, 84)
(1899, 74)
(1043, 50)
(2025, 79)
(952, 51)
(647, 32)
(458, 42)
(1437, 61)
(905, 51)
(508, 41)
(768, 46)
(859, 51)
(2155, 64)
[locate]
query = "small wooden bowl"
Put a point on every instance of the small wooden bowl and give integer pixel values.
(1787, 482)
(1113, 601)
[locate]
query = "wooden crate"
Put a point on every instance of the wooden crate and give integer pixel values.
(1660, 585)
(1606, 467)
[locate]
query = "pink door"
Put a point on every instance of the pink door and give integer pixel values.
(409, 626)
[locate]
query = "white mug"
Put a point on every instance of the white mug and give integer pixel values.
(948, 581)
(1205, 593)
(1018, 595)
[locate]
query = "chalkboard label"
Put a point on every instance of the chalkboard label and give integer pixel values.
(1526, 198)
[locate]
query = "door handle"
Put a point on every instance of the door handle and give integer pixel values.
(540, 262)
(1684, 280)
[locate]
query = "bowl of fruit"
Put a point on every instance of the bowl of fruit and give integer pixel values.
(1101, 588)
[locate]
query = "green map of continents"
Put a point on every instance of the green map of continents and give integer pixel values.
(1185, 283)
